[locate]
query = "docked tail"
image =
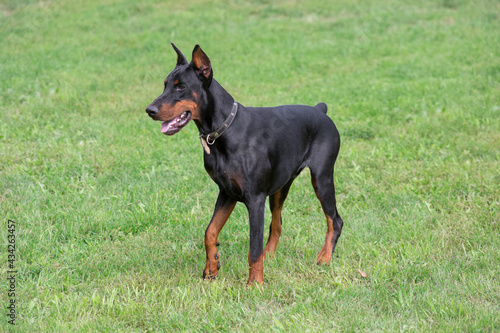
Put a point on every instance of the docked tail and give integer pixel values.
(322, 107)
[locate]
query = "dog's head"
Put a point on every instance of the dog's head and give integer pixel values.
(184, 92)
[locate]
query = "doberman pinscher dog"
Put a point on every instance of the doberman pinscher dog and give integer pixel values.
(251, 153)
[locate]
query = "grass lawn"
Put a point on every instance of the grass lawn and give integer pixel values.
(110, 213)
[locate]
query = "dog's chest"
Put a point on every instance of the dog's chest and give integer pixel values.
(231, 179)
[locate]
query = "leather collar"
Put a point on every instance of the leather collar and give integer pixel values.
(211, 137)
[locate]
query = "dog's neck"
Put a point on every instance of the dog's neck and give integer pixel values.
(218, 108)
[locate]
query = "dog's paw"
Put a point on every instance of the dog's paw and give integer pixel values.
(211, 274)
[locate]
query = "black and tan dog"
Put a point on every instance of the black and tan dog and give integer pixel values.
(251, 153)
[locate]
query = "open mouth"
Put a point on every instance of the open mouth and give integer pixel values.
(175, 125)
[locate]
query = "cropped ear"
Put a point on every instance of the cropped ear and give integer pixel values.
(201, 62)
(181, 59)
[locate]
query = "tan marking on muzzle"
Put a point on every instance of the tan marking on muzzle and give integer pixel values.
(168, 112)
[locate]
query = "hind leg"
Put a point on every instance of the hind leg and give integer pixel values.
(276, 201)
(325, 191)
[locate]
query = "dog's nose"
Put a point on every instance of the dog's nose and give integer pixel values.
(152, 110)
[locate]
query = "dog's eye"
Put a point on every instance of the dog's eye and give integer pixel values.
(180, 87)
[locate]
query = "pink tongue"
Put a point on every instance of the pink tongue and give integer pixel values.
(164, 127)
(175, 125)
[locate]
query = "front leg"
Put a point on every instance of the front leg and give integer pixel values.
(256, 254)
(223, 209)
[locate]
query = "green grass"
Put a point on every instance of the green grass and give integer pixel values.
(111, 213)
